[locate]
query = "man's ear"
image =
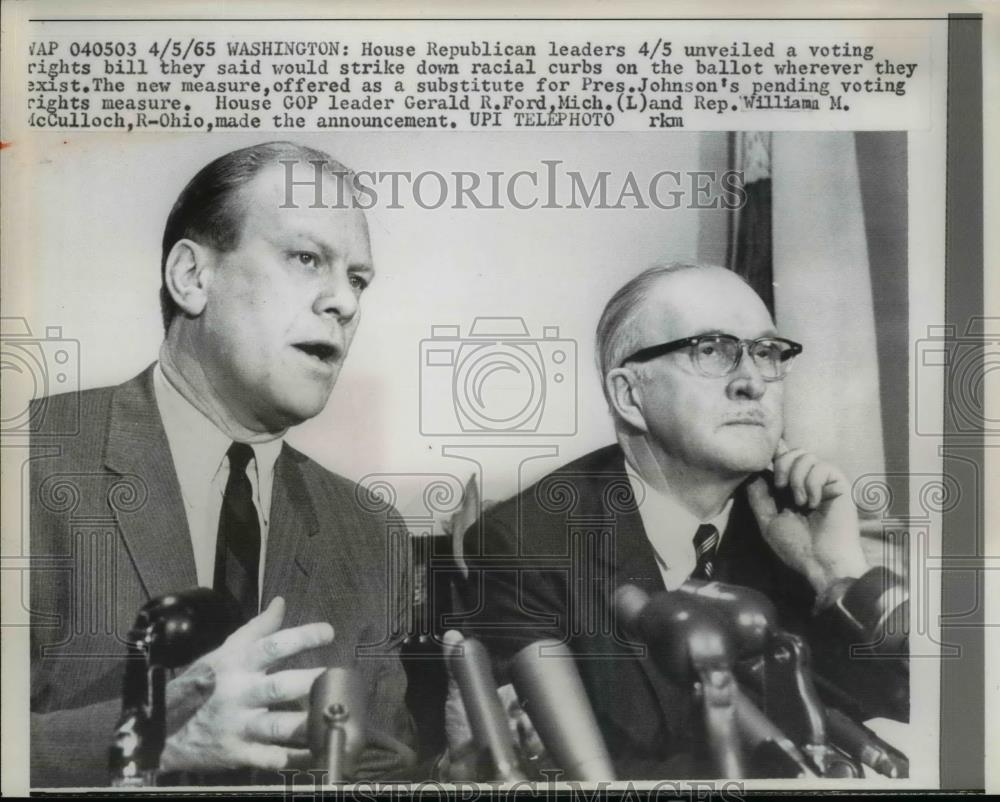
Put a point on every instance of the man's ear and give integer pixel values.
(626, 396)
(186, 276)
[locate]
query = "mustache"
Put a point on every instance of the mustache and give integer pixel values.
(754, 417)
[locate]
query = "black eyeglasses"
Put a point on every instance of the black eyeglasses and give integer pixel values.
(717, 355)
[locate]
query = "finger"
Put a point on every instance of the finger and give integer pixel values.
(815, 481)
(783, 464)
(797, 477)
(281, 686)
(287, 642)
(761, 502)
(301, 759)
(527, 736)
(285, 728)
(266, 756)
(836, 483)
(782, 447)
(261, 625)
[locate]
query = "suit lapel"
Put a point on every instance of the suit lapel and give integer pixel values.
(635, 560)
(155, 531)
(291, 537)
(635, 564)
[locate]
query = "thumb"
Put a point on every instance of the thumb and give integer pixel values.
(186, 693)
(761, 502)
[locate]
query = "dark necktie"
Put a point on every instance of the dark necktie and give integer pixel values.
(706, 540)
(237, 549)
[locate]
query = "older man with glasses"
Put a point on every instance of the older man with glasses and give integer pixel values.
(700, 484)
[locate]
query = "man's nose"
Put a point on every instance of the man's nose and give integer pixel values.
(337, 297)
(746, 381)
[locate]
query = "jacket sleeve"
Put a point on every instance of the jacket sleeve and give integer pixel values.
(392, 735)
(510, 601)
(69, 748)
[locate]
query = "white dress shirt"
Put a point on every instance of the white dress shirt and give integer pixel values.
(198, 449)
(670, 528)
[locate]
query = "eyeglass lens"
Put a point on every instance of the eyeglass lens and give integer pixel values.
(719, 355)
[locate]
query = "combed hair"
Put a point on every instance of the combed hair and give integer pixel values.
(616, 331)
(206, 211)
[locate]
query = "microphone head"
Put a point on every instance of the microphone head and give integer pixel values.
(747, 613)
(629, 603)
(682, 632)
(181, 627)
(551, 692)
(337, 698)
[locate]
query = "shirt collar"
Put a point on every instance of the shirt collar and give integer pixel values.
(669, 525)
(199, 448)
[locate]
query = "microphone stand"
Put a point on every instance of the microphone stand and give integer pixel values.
(697, 633)
(335, 717)
(134, 759)
(790, 697)
(337, 724)
(718, 691)
(784, 681)
(169, 631)
(710, 658)
(847, 736)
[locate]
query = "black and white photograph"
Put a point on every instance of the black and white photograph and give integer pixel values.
(399, 401)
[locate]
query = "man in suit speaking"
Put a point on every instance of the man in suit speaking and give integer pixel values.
(261, 294)
(692, 370)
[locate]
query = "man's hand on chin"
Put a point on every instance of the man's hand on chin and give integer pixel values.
(819, 538)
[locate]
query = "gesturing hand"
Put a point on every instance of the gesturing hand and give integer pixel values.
(820, 538)
(233, 727)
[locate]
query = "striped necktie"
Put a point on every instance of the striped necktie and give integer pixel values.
(706, 540)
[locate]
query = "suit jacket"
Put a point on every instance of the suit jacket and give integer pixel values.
(546, 564)
(109, 532)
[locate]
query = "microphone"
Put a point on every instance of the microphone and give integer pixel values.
(337, 716)
(866, 746)
(751, 617)
(748, 614)
(690, 644)
(170, 631)
(181, 627)
(469, 664)
(550, 689)
(782, 677)
(680, 631)
(685, 628)
(761, 735)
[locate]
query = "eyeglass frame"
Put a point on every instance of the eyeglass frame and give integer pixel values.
(654, 351)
